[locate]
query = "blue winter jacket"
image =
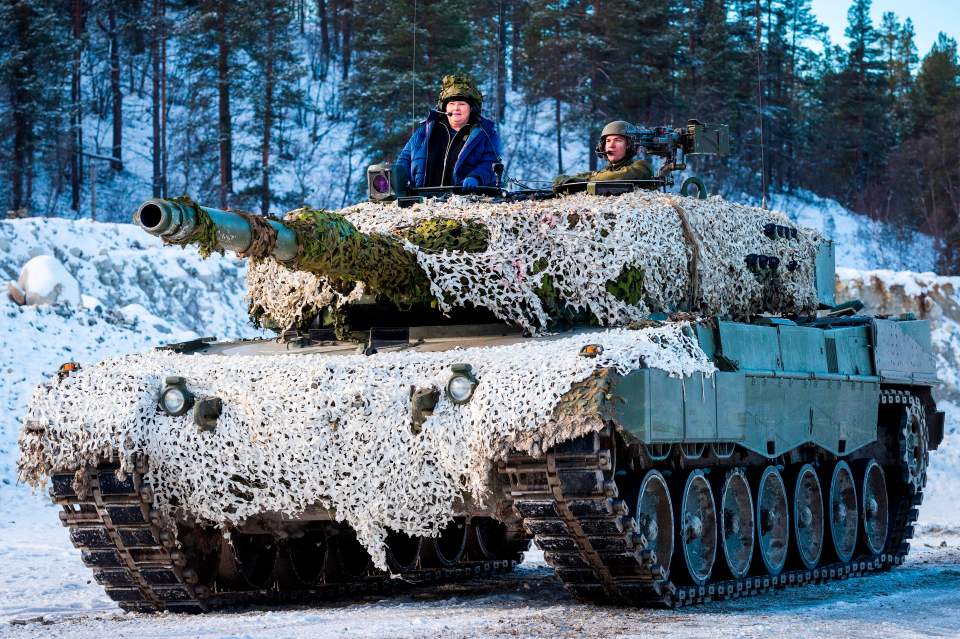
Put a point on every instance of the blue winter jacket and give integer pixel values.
(476, 159)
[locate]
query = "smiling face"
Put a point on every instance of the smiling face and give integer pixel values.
(615, 147)
(458, 113)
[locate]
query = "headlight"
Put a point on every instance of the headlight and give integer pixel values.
(175, 399)
(461, 386)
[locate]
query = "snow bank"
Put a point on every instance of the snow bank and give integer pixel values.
(936, 298)
(44, 280)
(119, 264)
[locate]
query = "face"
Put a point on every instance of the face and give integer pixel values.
(615, 147)
(458, 113)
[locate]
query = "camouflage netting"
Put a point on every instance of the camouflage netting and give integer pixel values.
(616, 259)
(299, 430)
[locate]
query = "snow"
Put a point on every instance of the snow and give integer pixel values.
(136, 314)
(116, 266)
(44, 280)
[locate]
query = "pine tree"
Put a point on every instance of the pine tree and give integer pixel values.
(32, 65)
(936, 150)
(396, 76)
(552, 32)
(271, 87)
(900, 61)
(209, 33)
(864, 105)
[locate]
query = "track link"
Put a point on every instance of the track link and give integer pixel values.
(133, 553)
(568, 501)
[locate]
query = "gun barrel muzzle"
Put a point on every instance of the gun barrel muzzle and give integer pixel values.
(176, 222)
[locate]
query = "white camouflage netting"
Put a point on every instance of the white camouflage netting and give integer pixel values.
(289, 297)
(585, 241)
(299, 430)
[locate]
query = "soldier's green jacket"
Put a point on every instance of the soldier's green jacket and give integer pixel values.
(623, 170)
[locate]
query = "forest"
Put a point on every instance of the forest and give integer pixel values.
(267, 105)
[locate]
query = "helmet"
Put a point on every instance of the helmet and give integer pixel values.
(459, 87)
(619, 127)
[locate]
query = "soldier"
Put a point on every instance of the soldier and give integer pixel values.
(618, 146)
(455, 145)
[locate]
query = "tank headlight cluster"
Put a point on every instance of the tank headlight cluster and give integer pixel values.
(462, 384)
(777, 231)
(175, 399)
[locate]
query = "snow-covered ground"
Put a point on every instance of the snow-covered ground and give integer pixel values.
(529, 603)
(137, 294)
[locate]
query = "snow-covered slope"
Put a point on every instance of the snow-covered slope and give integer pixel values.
(138, 294)
(860, 242)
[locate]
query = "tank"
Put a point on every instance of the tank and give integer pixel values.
(660, 391)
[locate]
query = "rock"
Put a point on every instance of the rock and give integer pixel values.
(44, 280)
(91, 303)
(16, 293)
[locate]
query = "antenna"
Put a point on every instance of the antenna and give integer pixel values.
(763, 163)
(413, 76)
(496, 62)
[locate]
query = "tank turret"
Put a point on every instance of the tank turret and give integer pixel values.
(607, 261)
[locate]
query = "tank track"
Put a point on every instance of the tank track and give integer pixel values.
(134, 555)
(568, 499)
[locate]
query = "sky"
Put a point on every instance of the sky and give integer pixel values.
(929, 18)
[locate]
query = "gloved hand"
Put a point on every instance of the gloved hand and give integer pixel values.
(470, 184)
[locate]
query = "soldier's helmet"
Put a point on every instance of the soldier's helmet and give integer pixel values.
(619, 127)
(459, 87)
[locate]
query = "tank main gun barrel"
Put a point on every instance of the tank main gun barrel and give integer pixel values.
(178, 223)
(319, 242)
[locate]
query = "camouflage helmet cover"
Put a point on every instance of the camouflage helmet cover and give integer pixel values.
(459, 86)
(622, 128)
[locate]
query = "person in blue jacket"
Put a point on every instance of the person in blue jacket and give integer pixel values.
(455, 145)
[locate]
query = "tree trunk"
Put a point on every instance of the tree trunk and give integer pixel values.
(763, 163)
(155, 98)
(516, 32)
(20, 135)
(324, 31)
(224, 128)
(559, 123)
(76, 114)
(115, 90)
(267, 119)
(336, 23)
(347, 32)
(163, 97)
(501, 62)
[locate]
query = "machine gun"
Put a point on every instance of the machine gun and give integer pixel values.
(673, 144)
